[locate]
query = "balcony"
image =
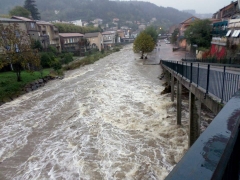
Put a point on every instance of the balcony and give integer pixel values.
(219, 33)
(219, 41)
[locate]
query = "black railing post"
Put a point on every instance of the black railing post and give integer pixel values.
(191, 74)
(208, 72)
(224, 73)
(197, 74)
(186, 71)
(177, 67)
(182, 69)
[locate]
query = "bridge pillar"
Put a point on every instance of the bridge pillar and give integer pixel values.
(179, 102)
(194, 118)
(172, 88)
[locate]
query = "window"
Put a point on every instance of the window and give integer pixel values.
(16, 48)
(17, 34)
(32, 25)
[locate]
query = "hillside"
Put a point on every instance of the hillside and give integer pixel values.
(104, 9)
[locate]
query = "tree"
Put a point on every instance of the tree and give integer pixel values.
(152, 32)
(143, 43)
(15, 46)
(84, 44)
(31, 7)
(199, 33)
(19, 11)
(175, 36)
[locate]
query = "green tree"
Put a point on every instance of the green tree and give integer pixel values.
(175, 36)
(19, 11)
(31, 7)
(36, 44)
(150, 30)
(16, 47)
(143, 43)
(199, 33)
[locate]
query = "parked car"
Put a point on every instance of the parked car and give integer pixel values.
(168, 42)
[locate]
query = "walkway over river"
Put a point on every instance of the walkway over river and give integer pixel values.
(215, 153)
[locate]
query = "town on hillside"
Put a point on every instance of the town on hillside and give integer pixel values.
(224, 34)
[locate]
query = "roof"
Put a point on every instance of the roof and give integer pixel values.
(71, 35)
(222, 23)
(89, 35)
(22, 18)
(232, 3)
(10, 20)
(108, 32)
(193, 18)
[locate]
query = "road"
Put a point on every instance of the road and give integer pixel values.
(102, 121)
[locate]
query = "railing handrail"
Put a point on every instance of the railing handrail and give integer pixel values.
(221, 84)
(215, 154)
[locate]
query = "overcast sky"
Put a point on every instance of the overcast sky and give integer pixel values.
(200, 6)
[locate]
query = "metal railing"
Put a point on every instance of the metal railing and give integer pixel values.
(215, 154)
(214, 80)
(215, 60)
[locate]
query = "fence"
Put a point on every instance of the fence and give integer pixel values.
(215, 154)
(214, 60)
(215, 81)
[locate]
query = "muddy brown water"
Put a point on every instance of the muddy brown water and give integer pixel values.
(102, 121)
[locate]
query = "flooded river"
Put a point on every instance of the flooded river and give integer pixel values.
(102, 121)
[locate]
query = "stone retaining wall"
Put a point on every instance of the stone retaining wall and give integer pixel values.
(29, 87)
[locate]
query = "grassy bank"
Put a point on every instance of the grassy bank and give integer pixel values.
(10, 88)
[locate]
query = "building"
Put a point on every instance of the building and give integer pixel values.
(95, 39)
(49, 35)
(77, 22)
(219, 40)
(70, 41)
(225, 32)
(227, 12)
(182, 28)
(142, 27)
(6, 21)
(109, 38)
(31, 25)
(97, 21)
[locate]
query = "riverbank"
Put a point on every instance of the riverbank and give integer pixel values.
(10, 89)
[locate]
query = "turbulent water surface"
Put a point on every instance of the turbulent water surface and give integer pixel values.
(102, 121)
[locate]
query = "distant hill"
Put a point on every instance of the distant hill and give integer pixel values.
(104, 9)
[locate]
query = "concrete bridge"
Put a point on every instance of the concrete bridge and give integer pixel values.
(215, 153)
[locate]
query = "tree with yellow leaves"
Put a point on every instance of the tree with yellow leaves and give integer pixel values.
(144, 43)
(15, 50)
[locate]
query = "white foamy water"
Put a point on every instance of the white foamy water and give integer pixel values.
(103, 121)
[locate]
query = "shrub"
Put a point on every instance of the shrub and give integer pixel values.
(52, 49)
(47, 59)
(57, 65)
(67, 58)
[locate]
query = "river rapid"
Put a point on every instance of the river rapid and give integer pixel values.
(105, 121)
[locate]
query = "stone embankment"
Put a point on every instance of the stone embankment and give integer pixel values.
(30, 87)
